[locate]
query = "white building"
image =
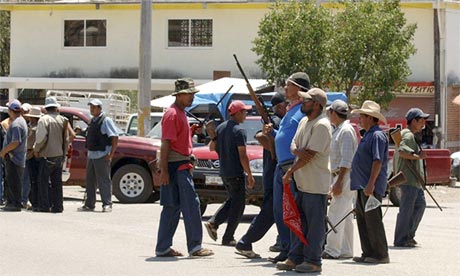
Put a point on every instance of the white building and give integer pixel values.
(90, 44)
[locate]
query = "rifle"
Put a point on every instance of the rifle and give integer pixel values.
(396, 136)
(266, 119)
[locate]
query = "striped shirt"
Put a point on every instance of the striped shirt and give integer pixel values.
(343, 146)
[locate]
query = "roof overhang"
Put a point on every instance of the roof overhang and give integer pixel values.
(94, 84)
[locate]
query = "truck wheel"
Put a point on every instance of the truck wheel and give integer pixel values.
(395, 195)
(132, 184)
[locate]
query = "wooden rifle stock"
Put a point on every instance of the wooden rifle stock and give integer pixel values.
(263, 113)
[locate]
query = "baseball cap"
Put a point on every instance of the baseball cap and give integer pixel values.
(185, 86)
(416, 113)
(339, 106)
(277, 98)
(14, 105)
(315, 94)
(237, 106)
(96, 102)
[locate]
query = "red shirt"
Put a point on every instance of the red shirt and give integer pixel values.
(175, 128)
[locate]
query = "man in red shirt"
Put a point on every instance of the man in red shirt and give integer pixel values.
(177, 192)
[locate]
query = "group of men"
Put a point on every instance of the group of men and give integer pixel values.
(34, 149)
(317, 155)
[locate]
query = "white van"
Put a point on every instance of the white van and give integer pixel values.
(131, 128)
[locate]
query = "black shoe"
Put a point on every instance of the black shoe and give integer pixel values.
(11, 208)
(229, 243)
(279, 258)
(275, 248)
(328, 256)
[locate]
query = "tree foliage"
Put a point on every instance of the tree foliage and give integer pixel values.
(366, 42)
(4, 43)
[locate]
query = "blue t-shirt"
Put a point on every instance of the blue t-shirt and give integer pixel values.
(18, 132)
(230, 136)
(285, 133)
(373, 146)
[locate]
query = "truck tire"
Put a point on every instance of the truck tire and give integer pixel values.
(132, 184)
(395, 195)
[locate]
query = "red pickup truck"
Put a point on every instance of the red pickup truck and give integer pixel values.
(132, 164)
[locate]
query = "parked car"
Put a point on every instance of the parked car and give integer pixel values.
(133, 122)
(455, 165)
(132, 164)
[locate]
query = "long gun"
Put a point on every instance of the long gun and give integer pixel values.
(270, 146)
(396, 136)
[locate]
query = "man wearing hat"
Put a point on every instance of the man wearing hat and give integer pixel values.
(264, 220)
(51, 144)
(311, 173)
(412, 204)
(14, 155)
(297, 82)
(343, 146)
(369, 178)
(230, 145)
(101, 142)
(177, 193)
(32, 163)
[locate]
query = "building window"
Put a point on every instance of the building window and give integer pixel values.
(190, 33)
(85, 33)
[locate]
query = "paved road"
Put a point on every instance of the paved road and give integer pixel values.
(122, 243)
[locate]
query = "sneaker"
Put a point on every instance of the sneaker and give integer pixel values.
(247, 253)
(371, 260)
(26, 206)
(85, 208)
(203, 252)
(306, 267)
(107, 209)
(212, 231)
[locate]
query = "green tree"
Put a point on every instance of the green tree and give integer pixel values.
(4, 43)
(366, 42)
(293, 37)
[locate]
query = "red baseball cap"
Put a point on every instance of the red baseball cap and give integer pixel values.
(236, 106)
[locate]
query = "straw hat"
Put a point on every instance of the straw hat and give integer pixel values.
(372, 109)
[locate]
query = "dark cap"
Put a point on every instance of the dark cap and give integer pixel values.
(339, 106)
(185, 86)
(14, 105)
(300, 79)
(278, 98)
(414, 113)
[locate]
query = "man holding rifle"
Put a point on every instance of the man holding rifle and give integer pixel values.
(412, 204)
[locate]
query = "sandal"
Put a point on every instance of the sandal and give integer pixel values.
(203, 252)
(248, 254)
(171, 253)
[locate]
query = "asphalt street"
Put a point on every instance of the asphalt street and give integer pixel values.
(122, 243)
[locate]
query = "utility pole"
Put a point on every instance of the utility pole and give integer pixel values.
(145, 68)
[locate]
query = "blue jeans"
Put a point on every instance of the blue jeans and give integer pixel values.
(283, 230)
(312, 210)
(263, 221)
(179, 196)
(233, 208)
(14, 175)
(411, 209)
(98, 172)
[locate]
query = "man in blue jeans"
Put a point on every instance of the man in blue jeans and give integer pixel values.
(177, 194)
(264, 220)
(230, 144)
(283, 137)
(412, 204)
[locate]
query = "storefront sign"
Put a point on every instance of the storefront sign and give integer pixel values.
(412, 88)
